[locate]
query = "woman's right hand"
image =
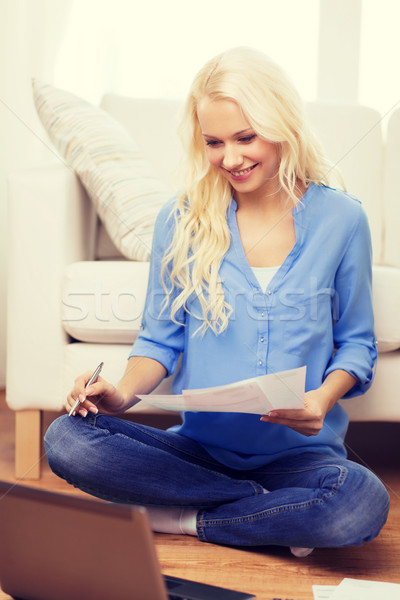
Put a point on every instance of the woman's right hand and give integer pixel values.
(99, 396)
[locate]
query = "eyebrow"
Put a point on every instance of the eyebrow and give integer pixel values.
(248, 130)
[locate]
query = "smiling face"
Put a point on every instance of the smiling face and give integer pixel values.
(248, 162)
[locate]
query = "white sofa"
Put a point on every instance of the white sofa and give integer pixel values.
(74, 300)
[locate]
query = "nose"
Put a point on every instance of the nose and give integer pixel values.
(232, 158)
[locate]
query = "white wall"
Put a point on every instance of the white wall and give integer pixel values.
(154, 48)
(3, 212)
(379, 83)
(339, 50)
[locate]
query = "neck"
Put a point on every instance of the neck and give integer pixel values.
(266, 203)
(272, 200)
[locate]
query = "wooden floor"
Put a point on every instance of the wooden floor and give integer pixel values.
(269, 572)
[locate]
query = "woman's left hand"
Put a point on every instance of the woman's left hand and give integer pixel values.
(308, 420)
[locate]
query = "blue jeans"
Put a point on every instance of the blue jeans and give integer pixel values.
(313, 500)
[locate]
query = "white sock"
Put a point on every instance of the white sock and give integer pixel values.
(300, 552)
(171, 519)
(188, 521)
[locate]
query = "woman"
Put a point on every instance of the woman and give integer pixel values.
(256, 268)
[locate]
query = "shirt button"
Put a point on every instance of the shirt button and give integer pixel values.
(262, 314)
(260, 362)
(269, 292)
(262, 339)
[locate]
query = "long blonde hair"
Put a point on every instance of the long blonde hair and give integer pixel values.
(201, 238)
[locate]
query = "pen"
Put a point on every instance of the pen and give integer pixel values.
(93, 378)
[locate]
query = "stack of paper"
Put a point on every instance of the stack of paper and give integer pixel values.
(357, 589)
(258, 395)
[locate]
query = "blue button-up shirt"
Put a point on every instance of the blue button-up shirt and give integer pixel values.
(317, 311)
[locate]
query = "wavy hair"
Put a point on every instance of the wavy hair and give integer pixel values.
(275, 111)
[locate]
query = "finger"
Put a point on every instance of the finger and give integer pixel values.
(73, 405)
(82, 392)
(99, 388)
(94, 394)
(78, 392)
(292, 414)
(81, 382)
(310, 427)
(101, 391)
(302, 414)
(302, 428)
(87, 405)
(310, 422)
(82, 408)
(94, 390)
(71, 401)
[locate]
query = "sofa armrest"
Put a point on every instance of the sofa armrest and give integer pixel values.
(386, 292)
(51, 224)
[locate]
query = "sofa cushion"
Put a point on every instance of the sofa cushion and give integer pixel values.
(386, 293)
(391, 204)
(102, 301)
(125, 190)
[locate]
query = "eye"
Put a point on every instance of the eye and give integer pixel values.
(247, 139)
(212, 143)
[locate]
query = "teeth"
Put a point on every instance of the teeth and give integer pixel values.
(239, 173)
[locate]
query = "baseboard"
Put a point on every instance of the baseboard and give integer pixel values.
(374, 443)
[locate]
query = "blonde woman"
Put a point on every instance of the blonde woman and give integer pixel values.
(256, 268)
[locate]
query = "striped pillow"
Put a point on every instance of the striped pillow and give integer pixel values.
(122, 185)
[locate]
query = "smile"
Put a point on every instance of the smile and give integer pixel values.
(243, 172)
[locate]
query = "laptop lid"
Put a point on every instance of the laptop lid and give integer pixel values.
(58, 547)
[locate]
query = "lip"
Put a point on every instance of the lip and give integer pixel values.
(244, 176)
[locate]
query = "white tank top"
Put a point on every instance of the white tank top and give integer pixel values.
(264, 275)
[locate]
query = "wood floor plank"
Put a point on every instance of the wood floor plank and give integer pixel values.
(268, 572)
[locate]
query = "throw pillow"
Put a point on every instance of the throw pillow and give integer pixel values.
(126, 192)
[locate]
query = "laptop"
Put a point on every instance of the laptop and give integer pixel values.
(59, 547)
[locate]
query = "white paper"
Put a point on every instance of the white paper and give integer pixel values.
(361, 589)
(258, 395)
(323, 592)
